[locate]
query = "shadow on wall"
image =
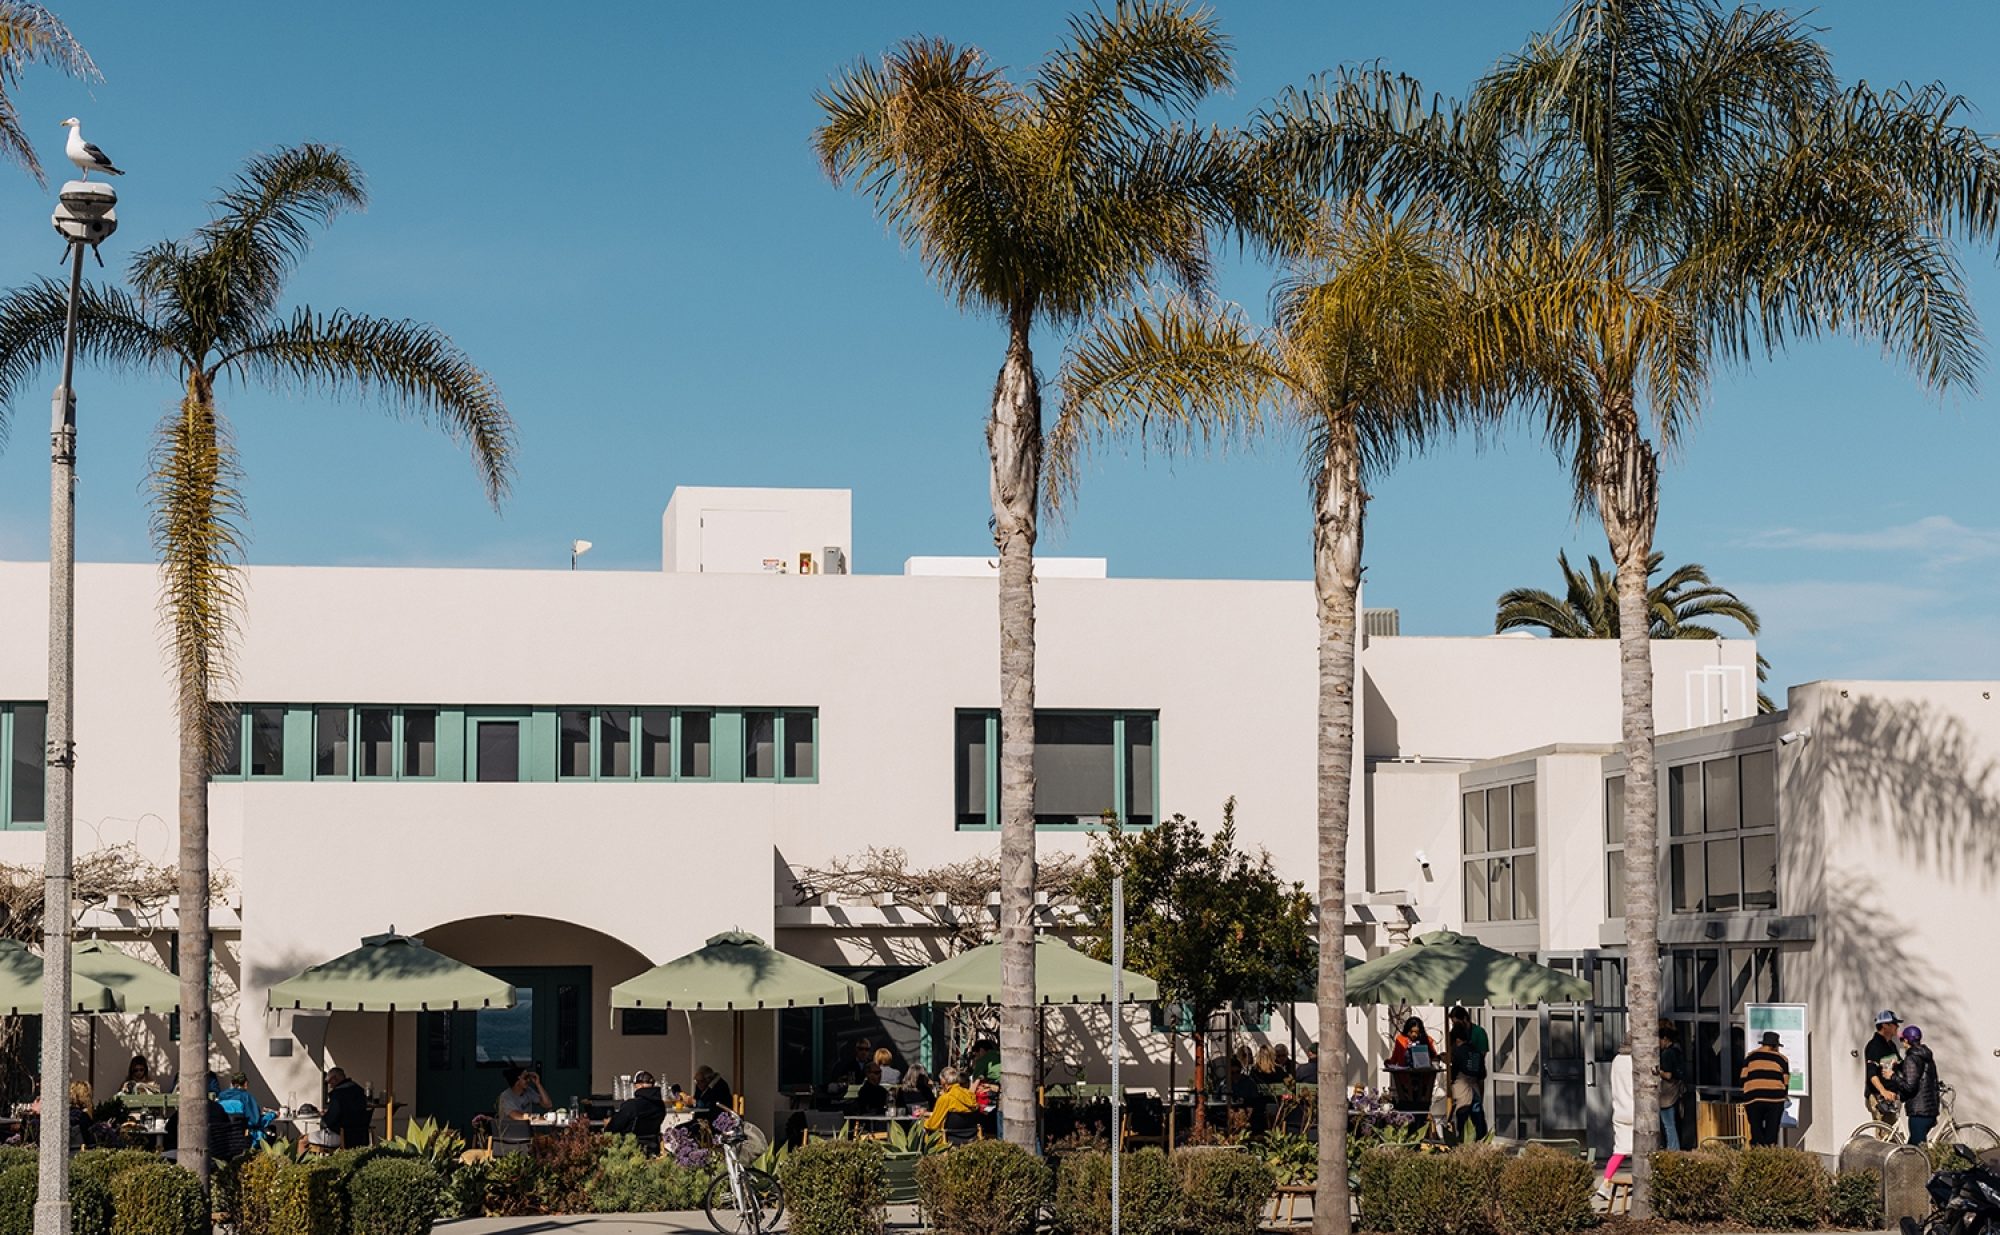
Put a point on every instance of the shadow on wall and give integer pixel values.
(1922, 775)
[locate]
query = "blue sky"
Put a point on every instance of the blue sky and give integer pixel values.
(614, 210)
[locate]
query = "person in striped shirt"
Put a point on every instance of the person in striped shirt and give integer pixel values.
(1767, 1085)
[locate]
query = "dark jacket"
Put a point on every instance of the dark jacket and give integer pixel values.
(1916, 1082)
(346, 1113)
(641, 1114)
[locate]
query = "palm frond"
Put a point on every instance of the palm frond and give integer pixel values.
(197, 534)
(411, 366)
(31, 35)
(1525, 608)
(111, 329)
(1122, 69)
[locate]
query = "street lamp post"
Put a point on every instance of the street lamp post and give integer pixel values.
(85, 216)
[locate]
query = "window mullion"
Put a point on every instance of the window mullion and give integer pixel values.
(1118, 768)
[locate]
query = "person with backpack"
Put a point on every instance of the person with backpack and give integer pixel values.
(1468, 1079)
(1916, 1083)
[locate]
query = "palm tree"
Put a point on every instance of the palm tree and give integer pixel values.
(30, 35)
(1381, 343)
(1039, 204)
(1684, 186)
(1681, 605)
(206, 310)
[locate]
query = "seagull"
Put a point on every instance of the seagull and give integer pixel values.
(83, 154)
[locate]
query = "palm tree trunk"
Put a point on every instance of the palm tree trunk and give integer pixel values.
(1628, 500)
(1337, 525)
(194, 943)
(1014, 446)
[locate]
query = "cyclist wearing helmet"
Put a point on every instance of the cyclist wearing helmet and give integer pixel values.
(1916, 1083)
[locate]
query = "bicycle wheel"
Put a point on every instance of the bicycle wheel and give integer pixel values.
(725, 1217)
(1876, 1130)
(1979, 1138)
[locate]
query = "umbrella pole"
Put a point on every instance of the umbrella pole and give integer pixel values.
(737, 1050)
(389, 1083)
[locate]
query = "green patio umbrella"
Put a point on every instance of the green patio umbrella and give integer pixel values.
(734, 972)
(21, 985)
(1445, 967)
(139, 987)
(390, 973)
(1062, 975)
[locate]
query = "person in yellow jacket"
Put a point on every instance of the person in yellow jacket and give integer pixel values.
(953, 1099)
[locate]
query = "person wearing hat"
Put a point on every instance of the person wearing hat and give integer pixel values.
(1766, 1079)
(1916, 1083)
(1879, 1061)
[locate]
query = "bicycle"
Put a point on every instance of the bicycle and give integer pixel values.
(1975, 1136)
(743, 1200)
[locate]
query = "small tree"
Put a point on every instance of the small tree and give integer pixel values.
(1211, 924)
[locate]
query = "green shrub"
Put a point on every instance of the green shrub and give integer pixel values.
(1373, 1180)
(626, 1181)
(256, 1176)
(14, 1155)
(161, 1199)
(564, 1165)
(1691, 1187)
(837, 1188)
(1772, 1187)
(90, 1175)
(985, 1188)
(1452, 1193)
(465, 1191)
(393, 1196)
(18, 1180)
(1222, 1191)
(510, 1188)
(1855, 1200)
(306, 1200)
(1546, 1192)
(1149, 1194)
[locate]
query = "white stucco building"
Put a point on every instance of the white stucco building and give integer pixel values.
(567, 777)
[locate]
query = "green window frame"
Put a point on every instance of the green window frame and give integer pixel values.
(24, 768)
(415, 740)
(1134, 790)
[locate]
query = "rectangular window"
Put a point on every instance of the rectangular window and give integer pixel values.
(1497, 832)
(1475, 823)
(573, 743)
(1614, 847)
(614, 743)
(1089, 766)
(801, 737)
(1139, 770)
(697, 745)
(969, 769)
(569, 1024)
(227, 733)
(330, 743)
(499, 752)
(375, 743)
(1524, 815)
(1500, 832)
(505, 1035)
(1684, 799)
(1722, 846)
(30, 754)
(267, 741)
(656, 743)
(1475, 891)
(760, 745)
(420, 747)
(1075, 768)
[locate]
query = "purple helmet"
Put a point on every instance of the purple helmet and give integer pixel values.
(1912, 1035)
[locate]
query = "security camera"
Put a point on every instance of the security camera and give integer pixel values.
(1793, 735)
(1425, 863)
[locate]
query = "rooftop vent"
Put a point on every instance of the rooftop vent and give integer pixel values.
(1382, 621)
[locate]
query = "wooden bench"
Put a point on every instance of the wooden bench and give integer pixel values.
(1286, 1199)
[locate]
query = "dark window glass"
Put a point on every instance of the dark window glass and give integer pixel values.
(1475, 891)
(1682, 991)
(267, 741)
(30, 757)
(1768, 988)
(1565, 1036)
(1725, 884)
(376, 738)
(656, 742)
(1526, 890)
(642, 1022)
(1719, 794)
(968, 757)
(499, 752)
(760, 745)
(1708, 979)
(1524, 815)
(1500, 889)
(1614, 884)
(1139, 770)
(1497, 830)
(505, 1035)
(228, 738)
(420, 741)
(1684, 799)
(1075, 772)
(1528, 1046)
(569, 1025)
(1742, 970)
(614, 743)
(1614, 811)
(1760, 871)
(1475, 822)
(801, 745)
(330, 742)
(437, 1039)
(696, 738)
(1709, 1061)
(573, 742)
(1503, 1112)
(1760, 791)
(1684, 873)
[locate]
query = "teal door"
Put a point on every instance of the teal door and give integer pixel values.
(464, 1054)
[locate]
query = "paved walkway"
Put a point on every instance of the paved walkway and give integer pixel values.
(901, 1217)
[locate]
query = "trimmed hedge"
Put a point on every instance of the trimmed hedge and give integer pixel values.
(1374, 1178)
(19, 1185)
(1446, 1194)
(161, 1199)
(625, 1181)
(985, 1188)
(837, 1188)
(1546, 1192)
(1691, 1187)
(306, 1200)
(1222, 1191)
(91, 1174)
(1146, 1184)
(1777, 1188)
(14, 1155)
(393, 1196)
(256, 1177)
(1855, 1200)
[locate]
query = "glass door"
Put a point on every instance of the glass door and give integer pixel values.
(465, 1054)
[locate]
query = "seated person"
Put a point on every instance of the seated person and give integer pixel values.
(139, 1077)
(711, 1094)
(343, 1122)
(956, 1111)
(641, 1114)
(873, 1099)
(885, 1064)
(917, 1085)
(522, 1100)
(238, 1100)
(984, 1064)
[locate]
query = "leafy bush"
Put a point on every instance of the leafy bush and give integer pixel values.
(510, 1187)
(985, 1188)
(1546, 1192)
(1222, 1191)
(564, 1165)
(436, 1143)
(256, 1176)
(1445, 1194)
(1777, 1188)
(465, 1191)
(14, 1155)
(17, 1195)
(1151, 1198)
(837, 1188)
(306, 1200)
(1292, 1157)
(1691, 1187)
(90, 1176)
(393, 1196)
(161, 1199)
(1373, 1180)
(1855, 1200)
(626, 1181)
